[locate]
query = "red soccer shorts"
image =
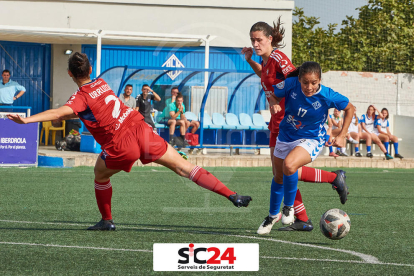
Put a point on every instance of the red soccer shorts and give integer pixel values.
(272, 139)
(139, 142)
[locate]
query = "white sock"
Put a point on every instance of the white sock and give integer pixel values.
(343, 150)
(273, 216)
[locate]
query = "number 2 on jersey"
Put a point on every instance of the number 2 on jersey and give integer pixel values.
(117, 106)
(302, 110)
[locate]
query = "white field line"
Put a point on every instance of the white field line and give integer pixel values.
(366, 258)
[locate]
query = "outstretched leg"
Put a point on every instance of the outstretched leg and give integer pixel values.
(172, 160)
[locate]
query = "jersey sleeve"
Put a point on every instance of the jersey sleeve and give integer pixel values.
(377, 123)
(362, 120)
(77, 102)
(284, 63)
(282, 89)
(337, 100)
(388, 123)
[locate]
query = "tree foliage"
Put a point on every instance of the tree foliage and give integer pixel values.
(381, 39)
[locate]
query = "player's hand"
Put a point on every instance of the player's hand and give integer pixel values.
(275, 109)
(247, 52)
(339, 142)
(17, 119)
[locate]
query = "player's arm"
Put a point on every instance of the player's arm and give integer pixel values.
(157, 98)
(248, 53)
(379, 113)
(349, 113)
(175, 114)
(380, 129)
(48, 115)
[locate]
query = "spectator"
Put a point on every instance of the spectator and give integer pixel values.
(126, 97)
(144, 103)
(367, 124)
(337, 122)
(166, 112)
(8, 90)
(177, 117)
(353, 134)
(382, 129)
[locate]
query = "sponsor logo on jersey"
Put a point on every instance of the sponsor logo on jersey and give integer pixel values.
(316, 105)
(122, 118)
(280, 85)
(293, 95)
(293, 122)
(283, 63)
(287, 69)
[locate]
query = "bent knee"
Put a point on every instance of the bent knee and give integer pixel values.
(289, 168)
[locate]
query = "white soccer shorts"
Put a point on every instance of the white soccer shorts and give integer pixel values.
(313, 147)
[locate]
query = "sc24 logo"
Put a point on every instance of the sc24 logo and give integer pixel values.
(228, 255)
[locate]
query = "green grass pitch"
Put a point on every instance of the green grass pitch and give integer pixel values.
(44, 213)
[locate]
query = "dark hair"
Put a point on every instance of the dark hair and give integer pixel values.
(388, 114)
(310, 67)
(145, 85)
(179, 95)
(175, 87)
(293, 73)
(5, 71)
(128, 85)
(79, 65)
(277, 32)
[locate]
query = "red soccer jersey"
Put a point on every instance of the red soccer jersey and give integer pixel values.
(274, 71)
(104, 115)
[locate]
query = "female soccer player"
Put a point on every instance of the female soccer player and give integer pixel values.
(382, 129)
(353, 133)
(124, 138)
(273, 69)
(302, 133)
(367, 124)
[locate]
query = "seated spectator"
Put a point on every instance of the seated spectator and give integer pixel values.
(126, 97)
(144, 103)
(177, 118)
(337, 122)
(382, 130)
(367, 124)
(329, 133)
(353, 134)
(166, 112)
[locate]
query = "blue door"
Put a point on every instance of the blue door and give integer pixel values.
(29, 65)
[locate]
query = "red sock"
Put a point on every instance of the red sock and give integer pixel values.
(300, 211)
(103, 194)
(316, 175)
(208, 181)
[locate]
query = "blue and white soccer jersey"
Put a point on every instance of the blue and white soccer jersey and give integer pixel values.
(352, 127)
(383, 123)
(305, 117)
(369, 122)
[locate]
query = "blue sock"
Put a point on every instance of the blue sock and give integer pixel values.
(291, 186)
(386, 144)
(330, 149)
(396, 148)
(276, 197)
(368, 148)
(356, 149)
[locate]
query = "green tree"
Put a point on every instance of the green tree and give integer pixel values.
(381, 39)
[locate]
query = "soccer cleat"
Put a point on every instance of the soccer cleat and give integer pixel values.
(288, 215)
(397, 155)
(267, 224)
(369, 155)
(388, 156)
(104, 225)
(340, 186)
(358, 154)
(298, 225)
(344, 154)
(239, 200)
(183, 155)
(333, 154)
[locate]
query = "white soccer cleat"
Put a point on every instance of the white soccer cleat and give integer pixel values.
(267, 224)
(288, 216)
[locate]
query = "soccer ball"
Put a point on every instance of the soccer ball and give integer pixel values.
(335, 224)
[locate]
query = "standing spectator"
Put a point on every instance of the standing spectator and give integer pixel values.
(8, 90)
(367, 124)
(144, 103)
(126, 97)
(382, 129)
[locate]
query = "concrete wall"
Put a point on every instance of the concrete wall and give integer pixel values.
(393, 91)
(403, 128)
(62, 85)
